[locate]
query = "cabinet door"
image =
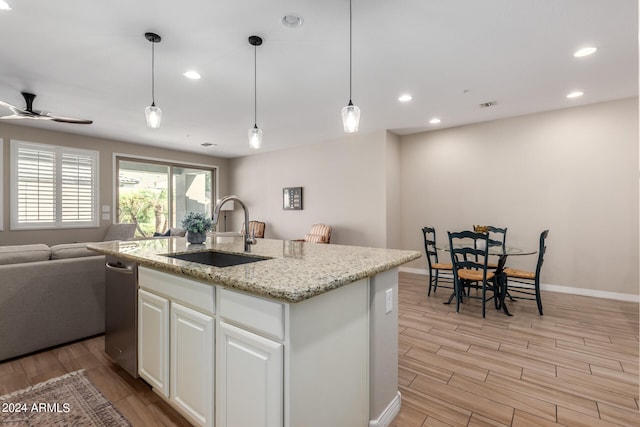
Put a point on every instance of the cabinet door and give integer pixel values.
(250, 379)
(192, 363)
(153, 340)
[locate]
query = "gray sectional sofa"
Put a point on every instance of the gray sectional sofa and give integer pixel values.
(49, 296)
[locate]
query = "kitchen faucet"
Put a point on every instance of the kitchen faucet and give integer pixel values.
(248, 239)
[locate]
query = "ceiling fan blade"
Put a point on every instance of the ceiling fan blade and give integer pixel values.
(14, 117)
(30, 113)
(68, 120)
(15, 110)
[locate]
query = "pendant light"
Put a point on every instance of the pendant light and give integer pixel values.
(350, 113)
(255, 133)
(152, 113)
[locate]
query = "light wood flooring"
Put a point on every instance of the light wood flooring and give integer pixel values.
(575, 366)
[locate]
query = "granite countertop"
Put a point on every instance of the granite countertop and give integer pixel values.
(295, 271)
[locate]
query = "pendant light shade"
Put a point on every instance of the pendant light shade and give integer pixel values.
(152, 113)
(350, 113)
(350, 118)
(255, 137)
(255, 133)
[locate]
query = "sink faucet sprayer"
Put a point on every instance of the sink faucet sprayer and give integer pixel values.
(248, 239)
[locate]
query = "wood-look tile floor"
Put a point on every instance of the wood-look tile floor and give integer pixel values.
(577, 365)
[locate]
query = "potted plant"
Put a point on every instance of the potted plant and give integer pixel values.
(196, 224)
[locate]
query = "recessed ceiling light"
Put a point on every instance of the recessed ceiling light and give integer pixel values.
(585, 51)
(435, 121)
(4, 5)
(575, 94)
(405, 98)
(193, 75)
(292, 20)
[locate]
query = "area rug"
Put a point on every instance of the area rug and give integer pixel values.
(69, 400)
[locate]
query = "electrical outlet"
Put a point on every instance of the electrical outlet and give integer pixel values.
(388, 301)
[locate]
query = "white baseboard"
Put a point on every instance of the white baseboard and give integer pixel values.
(389, 413)
(558, 288)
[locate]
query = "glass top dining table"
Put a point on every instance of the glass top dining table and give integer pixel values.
(502, 252)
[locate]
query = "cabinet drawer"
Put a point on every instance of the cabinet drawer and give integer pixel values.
(256, 313)
(189, 292)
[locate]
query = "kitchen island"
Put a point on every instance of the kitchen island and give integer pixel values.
(304, 336)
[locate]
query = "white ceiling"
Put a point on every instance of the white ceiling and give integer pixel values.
(90, 59)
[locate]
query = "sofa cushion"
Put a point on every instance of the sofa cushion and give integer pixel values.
(24, 253)
(71, 250)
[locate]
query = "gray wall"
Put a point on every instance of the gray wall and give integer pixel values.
(345, 186)
(106, 149)
(573, 171)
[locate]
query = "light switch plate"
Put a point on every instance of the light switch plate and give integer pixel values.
(388, 301)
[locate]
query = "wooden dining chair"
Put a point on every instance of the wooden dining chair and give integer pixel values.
(435, 267)
(497, 237)
(256, 229)
(526, 284)
(469, 257)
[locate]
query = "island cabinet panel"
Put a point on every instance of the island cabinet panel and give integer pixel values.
(176, 342)
(328, 359)
(191, 364)
(250, 379)
(264, 316)
(153, 340)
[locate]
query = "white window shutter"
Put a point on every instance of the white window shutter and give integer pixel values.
(53, 187)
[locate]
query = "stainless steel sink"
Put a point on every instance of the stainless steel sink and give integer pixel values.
(217, 259)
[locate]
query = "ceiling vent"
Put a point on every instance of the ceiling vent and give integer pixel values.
(488, 104)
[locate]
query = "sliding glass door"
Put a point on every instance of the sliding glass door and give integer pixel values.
(156, 196)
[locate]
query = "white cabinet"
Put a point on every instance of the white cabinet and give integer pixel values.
(191, 364)
(153, 340)
(176, 342)
(250, 379)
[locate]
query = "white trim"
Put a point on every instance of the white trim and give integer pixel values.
(389, 413)
(558, 288)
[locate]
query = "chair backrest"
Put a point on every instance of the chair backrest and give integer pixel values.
(541, 251)
(320, 233)
(497, 235)
(430, 251)
(120, 232)
(256, 228)
(469, 250)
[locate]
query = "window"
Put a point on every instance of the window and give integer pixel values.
(53, 187)
(156, 195)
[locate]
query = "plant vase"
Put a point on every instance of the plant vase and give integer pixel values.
(196, 238)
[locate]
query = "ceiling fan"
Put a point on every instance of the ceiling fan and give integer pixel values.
(30, 113)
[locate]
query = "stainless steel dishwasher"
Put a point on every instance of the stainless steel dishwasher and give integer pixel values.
(121, 313)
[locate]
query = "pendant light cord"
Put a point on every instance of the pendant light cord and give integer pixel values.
(153, 73)
(350, 50)
(255, 85)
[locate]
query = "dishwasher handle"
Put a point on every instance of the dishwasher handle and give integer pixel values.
(119, 268)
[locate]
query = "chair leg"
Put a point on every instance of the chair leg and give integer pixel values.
(435, 284)
(430, 282)
(538, 297)
(456, 286)
(484, 297)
